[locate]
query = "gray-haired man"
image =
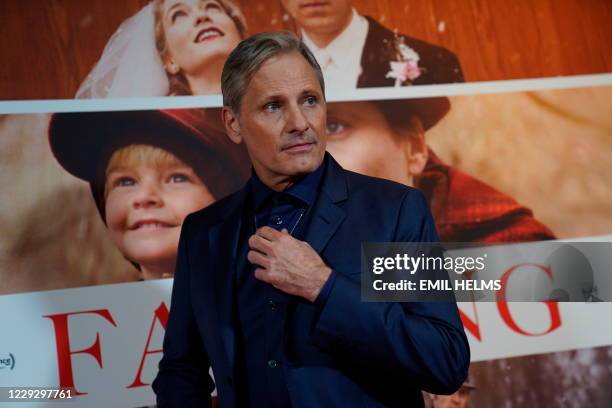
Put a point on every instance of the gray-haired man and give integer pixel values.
(267, 286)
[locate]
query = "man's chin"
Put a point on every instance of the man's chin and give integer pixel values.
(321, 22)
(307, 163)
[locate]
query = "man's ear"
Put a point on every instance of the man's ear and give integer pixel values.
(418, 154)
(232, 125)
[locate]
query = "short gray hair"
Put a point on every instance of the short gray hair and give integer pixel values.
(246, 59)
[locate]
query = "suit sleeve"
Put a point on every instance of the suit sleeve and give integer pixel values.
(423, 342)
(183, 379)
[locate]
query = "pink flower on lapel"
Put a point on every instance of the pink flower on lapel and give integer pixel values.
(403, 71)
(406, 68)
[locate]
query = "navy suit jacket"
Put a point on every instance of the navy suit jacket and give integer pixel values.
(364, 354)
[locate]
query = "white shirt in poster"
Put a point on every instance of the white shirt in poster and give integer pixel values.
(341, 59)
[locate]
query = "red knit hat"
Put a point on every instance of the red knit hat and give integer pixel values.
(83, 142)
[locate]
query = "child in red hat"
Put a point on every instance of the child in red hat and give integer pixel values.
(147, 171)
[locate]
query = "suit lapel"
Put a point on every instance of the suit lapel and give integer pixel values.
(223, 245)
(376, 55)
(326, 219)
(327, 215)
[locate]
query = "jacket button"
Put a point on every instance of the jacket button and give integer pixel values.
(272, 363)
(272, 305)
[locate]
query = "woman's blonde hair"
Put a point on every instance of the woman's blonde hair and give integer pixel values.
(178, 84)
(138, 154)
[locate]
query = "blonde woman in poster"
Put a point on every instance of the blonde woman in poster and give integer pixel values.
(169, 47)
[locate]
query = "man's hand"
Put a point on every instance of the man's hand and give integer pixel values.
(286, 263)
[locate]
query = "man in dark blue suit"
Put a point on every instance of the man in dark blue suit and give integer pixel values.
(267, 285)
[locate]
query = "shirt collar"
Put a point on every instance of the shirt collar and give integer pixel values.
(305, 190)
(345, 43)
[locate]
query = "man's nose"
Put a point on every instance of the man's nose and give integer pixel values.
(297, 122)
(147, 196)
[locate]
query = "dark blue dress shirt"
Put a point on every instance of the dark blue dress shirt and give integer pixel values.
(261, 308)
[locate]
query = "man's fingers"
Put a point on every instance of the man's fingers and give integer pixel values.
(269, 233)
(260, 244)
(257, 258)
(262, 275)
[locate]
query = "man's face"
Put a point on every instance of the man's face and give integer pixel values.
(456, 400)
(361, 140)
(145, 208)
(320, 16)
(282, 119)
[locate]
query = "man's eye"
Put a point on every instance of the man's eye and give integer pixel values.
(335, 127)
(178, 178)
(272, 107)
(310, 100)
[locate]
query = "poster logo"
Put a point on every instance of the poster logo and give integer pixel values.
(7, 362)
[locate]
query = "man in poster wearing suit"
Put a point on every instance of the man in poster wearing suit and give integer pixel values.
(356, 51)
(267, 285)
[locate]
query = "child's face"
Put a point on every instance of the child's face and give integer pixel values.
(146, 204)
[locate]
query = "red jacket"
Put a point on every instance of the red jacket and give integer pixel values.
(468, 210)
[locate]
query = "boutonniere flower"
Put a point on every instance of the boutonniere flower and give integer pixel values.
(406, 68)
